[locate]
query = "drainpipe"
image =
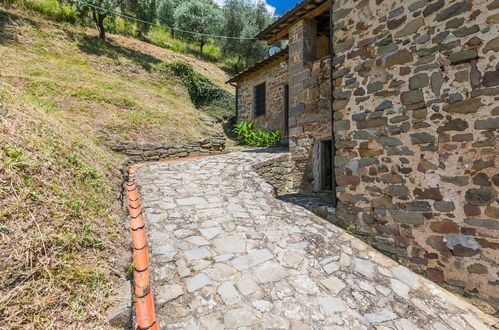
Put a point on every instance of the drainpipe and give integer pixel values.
(331, 70)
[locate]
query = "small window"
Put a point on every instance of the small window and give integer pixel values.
(260, 100)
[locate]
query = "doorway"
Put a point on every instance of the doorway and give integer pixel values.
(286, 111)
(326, 161)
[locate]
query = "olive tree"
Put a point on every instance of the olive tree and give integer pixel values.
(144, 10)
(199, 17)
(244, 19)
(99, 11)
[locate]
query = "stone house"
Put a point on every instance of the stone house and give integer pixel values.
(403, 131)
(291, 91)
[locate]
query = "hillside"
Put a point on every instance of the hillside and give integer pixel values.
(63, 96)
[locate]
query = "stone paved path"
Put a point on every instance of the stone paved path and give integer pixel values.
(226, 255)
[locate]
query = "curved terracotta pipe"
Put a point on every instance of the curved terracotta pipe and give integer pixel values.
(143, 298)
(144, 301)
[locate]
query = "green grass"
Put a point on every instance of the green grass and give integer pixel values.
(163, 38)
(61, 12)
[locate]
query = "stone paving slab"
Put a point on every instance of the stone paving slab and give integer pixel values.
(226, 254)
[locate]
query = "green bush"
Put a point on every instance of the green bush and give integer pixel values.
(118, 25)
(246, 135)
(205, 95)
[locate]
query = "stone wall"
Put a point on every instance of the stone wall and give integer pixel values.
(143, 151)
(277, 172)
(275, 75)
(416, 122)
(310, 127)
(310, 98)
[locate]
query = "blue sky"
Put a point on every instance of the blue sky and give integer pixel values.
(273, 6)
(282, 5)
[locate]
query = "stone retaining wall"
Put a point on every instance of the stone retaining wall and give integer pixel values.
(278, 172)
(416, 119)
(145, 151)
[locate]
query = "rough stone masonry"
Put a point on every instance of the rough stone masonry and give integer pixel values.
(416, 122)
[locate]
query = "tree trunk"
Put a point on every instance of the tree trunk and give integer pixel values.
(99, 20)
(201, 45)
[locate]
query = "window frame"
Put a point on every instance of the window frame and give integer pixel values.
(259, 105)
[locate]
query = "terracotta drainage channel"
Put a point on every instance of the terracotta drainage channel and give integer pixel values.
(143, 297)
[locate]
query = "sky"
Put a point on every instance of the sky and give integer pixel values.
(276, 7)
(282, 5)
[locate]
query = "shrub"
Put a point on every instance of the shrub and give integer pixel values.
(118, 25)
(205, 95)
(246, 135)
(57, 10)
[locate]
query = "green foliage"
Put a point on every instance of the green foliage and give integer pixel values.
(162, 38)
(197, 16)
(144, 10)
(246, 135)
(165, 11)
(121, 26)
(204, 94)
(15, 157)
(351, 229)
(99, 16)
(57, 10)
(243, 18)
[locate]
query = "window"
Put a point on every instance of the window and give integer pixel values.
(260, 100)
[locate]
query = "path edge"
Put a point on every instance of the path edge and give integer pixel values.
(143, 298)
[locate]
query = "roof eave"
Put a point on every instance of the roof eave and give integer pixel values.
(269, 35)
(258, 65)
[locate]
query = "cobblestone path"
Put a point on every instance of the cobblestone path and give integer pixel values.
(226, 255)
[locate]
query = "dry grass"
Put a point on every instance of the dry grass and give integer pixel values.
(62, 94)
(64, 227)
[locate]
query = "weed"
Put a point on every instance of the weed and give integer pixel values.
(15, 156)
(210, 259)
(4, 228)
(402, 262)
(204, 94)
(130, 268)
(73, 159)
(75, 206)
(35, 197)
(246, 135)
(351, 229)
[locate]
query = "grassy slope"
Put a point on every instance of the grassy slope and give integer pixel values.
(63, 94)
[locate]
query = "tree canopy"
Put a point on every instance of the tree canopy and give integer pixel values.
(98, 15)
(197, 16)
